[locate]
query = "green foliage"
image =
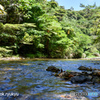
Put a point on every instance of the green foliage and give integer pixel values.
(2, 14)
(1, 27)
(37, 55)
(53, 4)
(12, 33)
(40, 28)
(68, 71)
(4, 52)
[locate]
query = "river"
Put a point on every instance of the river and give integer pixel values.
(29, 80)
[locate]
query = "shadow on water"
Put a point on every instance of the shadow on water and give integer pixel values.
(30, 80)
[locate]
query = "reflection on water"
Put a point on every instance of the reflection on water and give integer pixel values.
(31, 80)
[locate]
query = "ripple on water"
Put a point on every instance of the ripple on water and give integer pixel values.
(33, 81)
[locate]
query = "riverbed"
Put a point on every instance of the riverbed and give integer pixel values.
(29, 80)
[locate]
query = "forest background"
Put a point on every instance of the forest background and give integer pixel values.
(43, 29)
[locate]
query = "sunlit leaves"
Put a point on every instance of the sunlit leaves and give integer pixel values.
(27, 38)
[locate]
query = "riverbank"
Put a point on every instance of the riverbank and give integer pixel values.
(94, 58)
(22, 58)
(11, 58)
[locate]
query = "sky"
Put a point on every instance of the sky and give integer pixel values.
(76, 3)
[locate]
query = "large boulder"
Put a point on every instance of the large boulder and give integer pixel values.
(78, 79)
(81, 79)
(53, 69)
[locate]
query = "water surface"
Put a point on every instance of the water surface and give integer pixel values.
(31, 81)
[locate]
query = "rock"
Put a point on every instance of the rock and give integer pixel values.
(86, 73)
(79, 79)
(85, 68)
(89, 78)
(40, 64)
(61, 74)
(56, 74)
(96, 73)
(53, 69)
(93, 77)
(75, 73)
(89, 69)
(90, 75)
(96, 79)
(62, 70)
(66, 75)
(82, 68)
(96, 63)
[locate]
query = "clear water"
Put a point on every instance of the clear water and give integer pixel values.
(31, 81)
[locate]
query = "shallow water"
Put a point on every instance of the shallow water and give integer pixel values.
(30, 80)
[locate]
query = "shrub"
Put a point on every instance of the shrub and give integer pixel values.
(5, 52)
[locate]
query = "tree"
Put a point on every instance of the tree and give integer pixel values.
(2, 14)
